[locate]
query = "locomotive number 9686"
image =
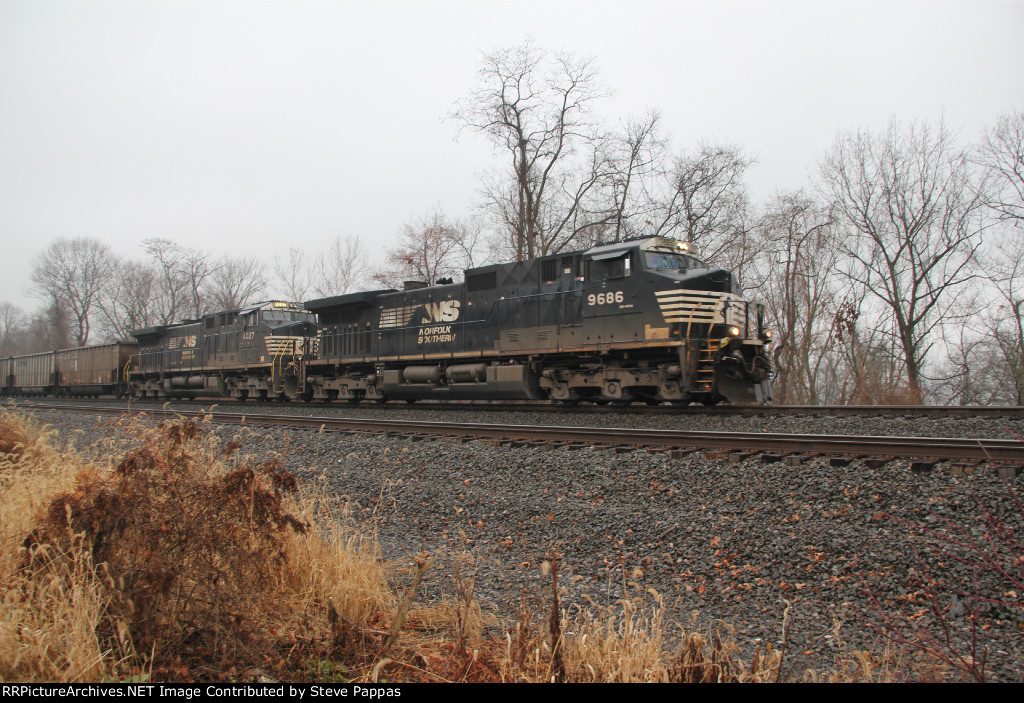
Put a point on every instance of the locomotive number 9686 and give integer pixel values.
(605, 298)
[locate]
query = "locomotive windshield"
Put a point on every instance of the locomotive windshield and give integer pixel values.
(666, 261)
(286, 316)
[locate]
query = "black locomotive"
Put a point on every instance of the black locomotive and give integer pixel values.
(635, 320)
(254, 352)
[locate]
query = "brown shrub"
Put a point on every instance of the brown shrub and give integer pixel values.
(197, 554)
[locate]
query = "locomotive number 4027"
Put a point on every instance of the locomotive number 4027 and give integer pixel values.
(605, 298)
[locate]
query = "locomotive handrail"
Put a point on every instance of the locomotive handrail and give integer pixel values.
(689, 320)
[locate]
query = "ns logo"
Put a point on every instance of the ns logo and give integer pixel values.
(444, 311)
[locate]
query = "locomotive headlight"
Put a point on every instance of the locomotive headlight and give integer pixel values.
(734, 331)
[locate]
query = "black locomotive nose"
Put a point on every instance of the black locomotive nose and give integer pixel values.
(708, 279)
(293, 329)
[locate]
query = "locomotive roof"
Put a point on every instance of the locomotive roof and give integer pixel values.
(604, 250)
(361, 299)
(263, 305)
(649, 243)
(266, 305)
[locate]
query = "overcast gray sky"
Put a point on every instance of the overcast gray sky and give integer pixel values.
(249, 127)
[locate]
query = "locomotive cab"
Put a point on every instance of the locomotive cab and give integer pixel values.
(707, 309)
(656, 292)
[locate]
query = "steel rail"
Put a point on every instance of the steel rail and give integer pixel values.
(543, 406)
(973, 449)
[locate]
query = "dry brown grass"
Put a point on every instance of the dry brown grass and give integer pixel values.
(55, 611)
(167, 552)
(630, 642)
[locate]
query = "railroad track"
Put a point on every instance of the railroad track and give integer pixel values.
(1009, 451)
(930, 411)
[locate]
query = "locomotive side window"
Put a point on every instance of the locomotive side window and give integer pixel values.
(481, 281)
(610, 268)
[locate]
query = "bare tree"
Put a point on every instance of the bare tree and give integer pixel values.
(49, 329)
(800, 292)
(431, 248)
(635, 156)
(1001, 154)
(197, 270)
(172, 284)
(535, 108)
(182, 275)
(71, 274)
(983, 358)
(706, 203)
(237, 281)
(127, 303)
(293, 275)
(868, 369)
(341, 268)
(1004, 321)
(12, 321)
(907, 197)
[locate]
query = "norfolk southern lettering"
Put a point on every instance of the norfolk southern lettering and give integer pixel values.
(433, 335)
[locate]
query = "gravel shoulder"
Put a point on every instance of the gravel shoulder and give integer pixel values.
(744, 544)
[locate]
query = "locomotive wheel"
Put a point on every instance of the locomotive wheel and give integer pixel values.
(354, 400)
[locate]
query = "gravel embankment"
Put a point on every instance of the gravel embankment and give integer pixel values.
(738, 543)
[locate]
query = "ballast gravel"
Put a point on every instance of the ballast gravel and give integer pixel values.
(812, 558)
